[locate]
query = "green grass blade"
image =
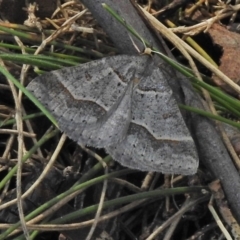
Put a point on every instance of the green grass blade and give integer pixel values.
(29, 95)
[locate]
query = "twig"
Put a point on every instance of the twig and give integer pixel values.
(171, 37)
(100, 207)
(183, 209)
(20, 155)
(10, 131)
(218, 220)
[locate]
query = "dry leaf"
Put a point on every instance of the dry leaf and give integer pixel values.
(230, 62)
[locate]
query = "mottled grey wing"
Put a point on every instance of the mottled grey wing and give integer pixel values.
(91, 102)
(157, 139)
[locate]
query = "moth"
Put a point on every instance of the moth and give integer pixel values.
(125, 105)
